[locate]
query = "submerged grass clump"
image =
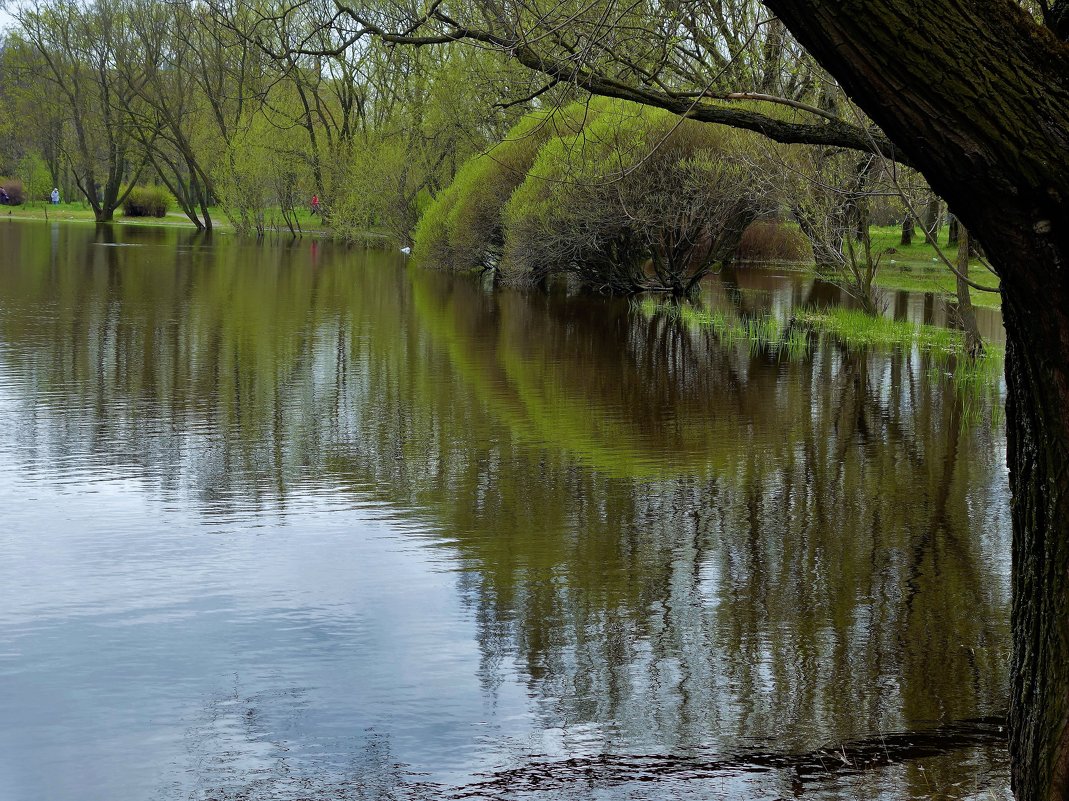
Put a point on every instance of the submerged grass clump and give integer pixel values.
(764, 333)
(857, 329)
(976, 379)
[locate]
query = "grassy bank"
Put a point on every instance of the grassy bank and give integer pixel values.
(941, 281)
(82, 213)
(918, 268)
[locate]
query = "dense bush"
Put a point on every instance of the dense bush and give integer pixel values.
(638, 200)
(773, 241)
(147, 201)
(624, 197)
(16, 195)
(462, 227)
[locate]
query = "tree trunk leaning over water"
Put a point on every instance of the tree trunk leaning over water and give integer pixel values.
(991, 136)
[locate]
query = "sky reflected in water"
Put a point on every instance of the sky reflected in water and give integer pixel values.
(295, 521)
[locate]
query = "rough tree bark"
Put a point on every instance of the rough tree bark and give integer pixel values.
(991, 136)
(907, 230)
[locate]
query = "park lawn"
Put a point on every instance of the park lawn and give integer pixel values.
(81, 212)
(918, 268)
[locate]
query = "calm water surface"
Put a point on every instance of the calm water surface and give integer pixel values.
(300, 522)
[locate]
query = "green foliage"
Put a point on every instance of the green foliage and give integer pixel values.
(638, 199)
(147, 201)
(35, 177)
(462, 227)
(624, 196)
(262, 175)
(765, 333)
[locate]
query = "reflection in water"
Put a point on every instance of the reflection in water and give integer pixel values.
(291, 521)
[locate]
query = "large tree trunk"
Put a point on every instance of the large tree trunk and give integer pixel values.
(991, 137)
(1038, 435)
(908, 230)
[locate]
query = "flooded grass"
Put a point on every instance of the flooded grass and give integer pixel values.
(976, 380)
(763, 333)
(857, 329)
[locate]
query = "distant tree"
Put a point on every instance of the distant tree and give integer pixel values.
(77, 46)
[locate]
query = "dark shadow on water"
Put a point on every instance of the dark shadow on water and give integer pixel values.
(378, 776)
(847, 758)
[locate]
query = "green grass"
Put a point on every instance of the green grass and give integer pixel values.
(942, 282)
(854, 328)
(82, 212)
(918, 268)
(886, 238)
(857, 329)
(976, 381)
(766, 333)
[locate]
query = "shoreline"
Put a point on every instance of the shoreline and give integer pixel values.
(917, 274)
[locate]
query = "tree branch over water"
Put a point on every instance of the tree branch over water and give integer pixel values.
(582, 61)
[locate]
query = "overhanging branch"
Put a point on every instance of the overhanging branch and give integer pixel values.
(829, 132)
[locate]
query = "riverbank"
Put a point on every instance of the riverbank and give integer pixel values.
(914, 268)
(917, 267)
(310, 224)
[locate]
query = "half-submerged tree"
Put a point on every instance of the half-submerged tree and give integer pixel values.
(623, 197)
(639, 200)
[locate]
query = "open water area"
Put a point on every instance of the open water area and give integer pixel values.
(291, 521)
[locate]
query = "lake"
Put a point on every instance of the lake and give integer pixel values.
(291, 520)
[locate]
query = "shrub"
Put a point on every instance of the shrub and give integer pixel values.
(773, 241)
(462, 229)
(16, 195)
(147, 201)
(637, 200)
(624, 197)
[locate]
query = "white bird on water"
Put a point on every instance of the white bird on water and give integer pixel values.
(406, 250)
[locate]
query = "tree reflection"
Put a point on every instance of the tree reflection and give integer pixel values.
(679, 543)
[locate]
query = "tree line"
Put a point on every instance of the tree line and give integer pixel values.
(97, 97)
